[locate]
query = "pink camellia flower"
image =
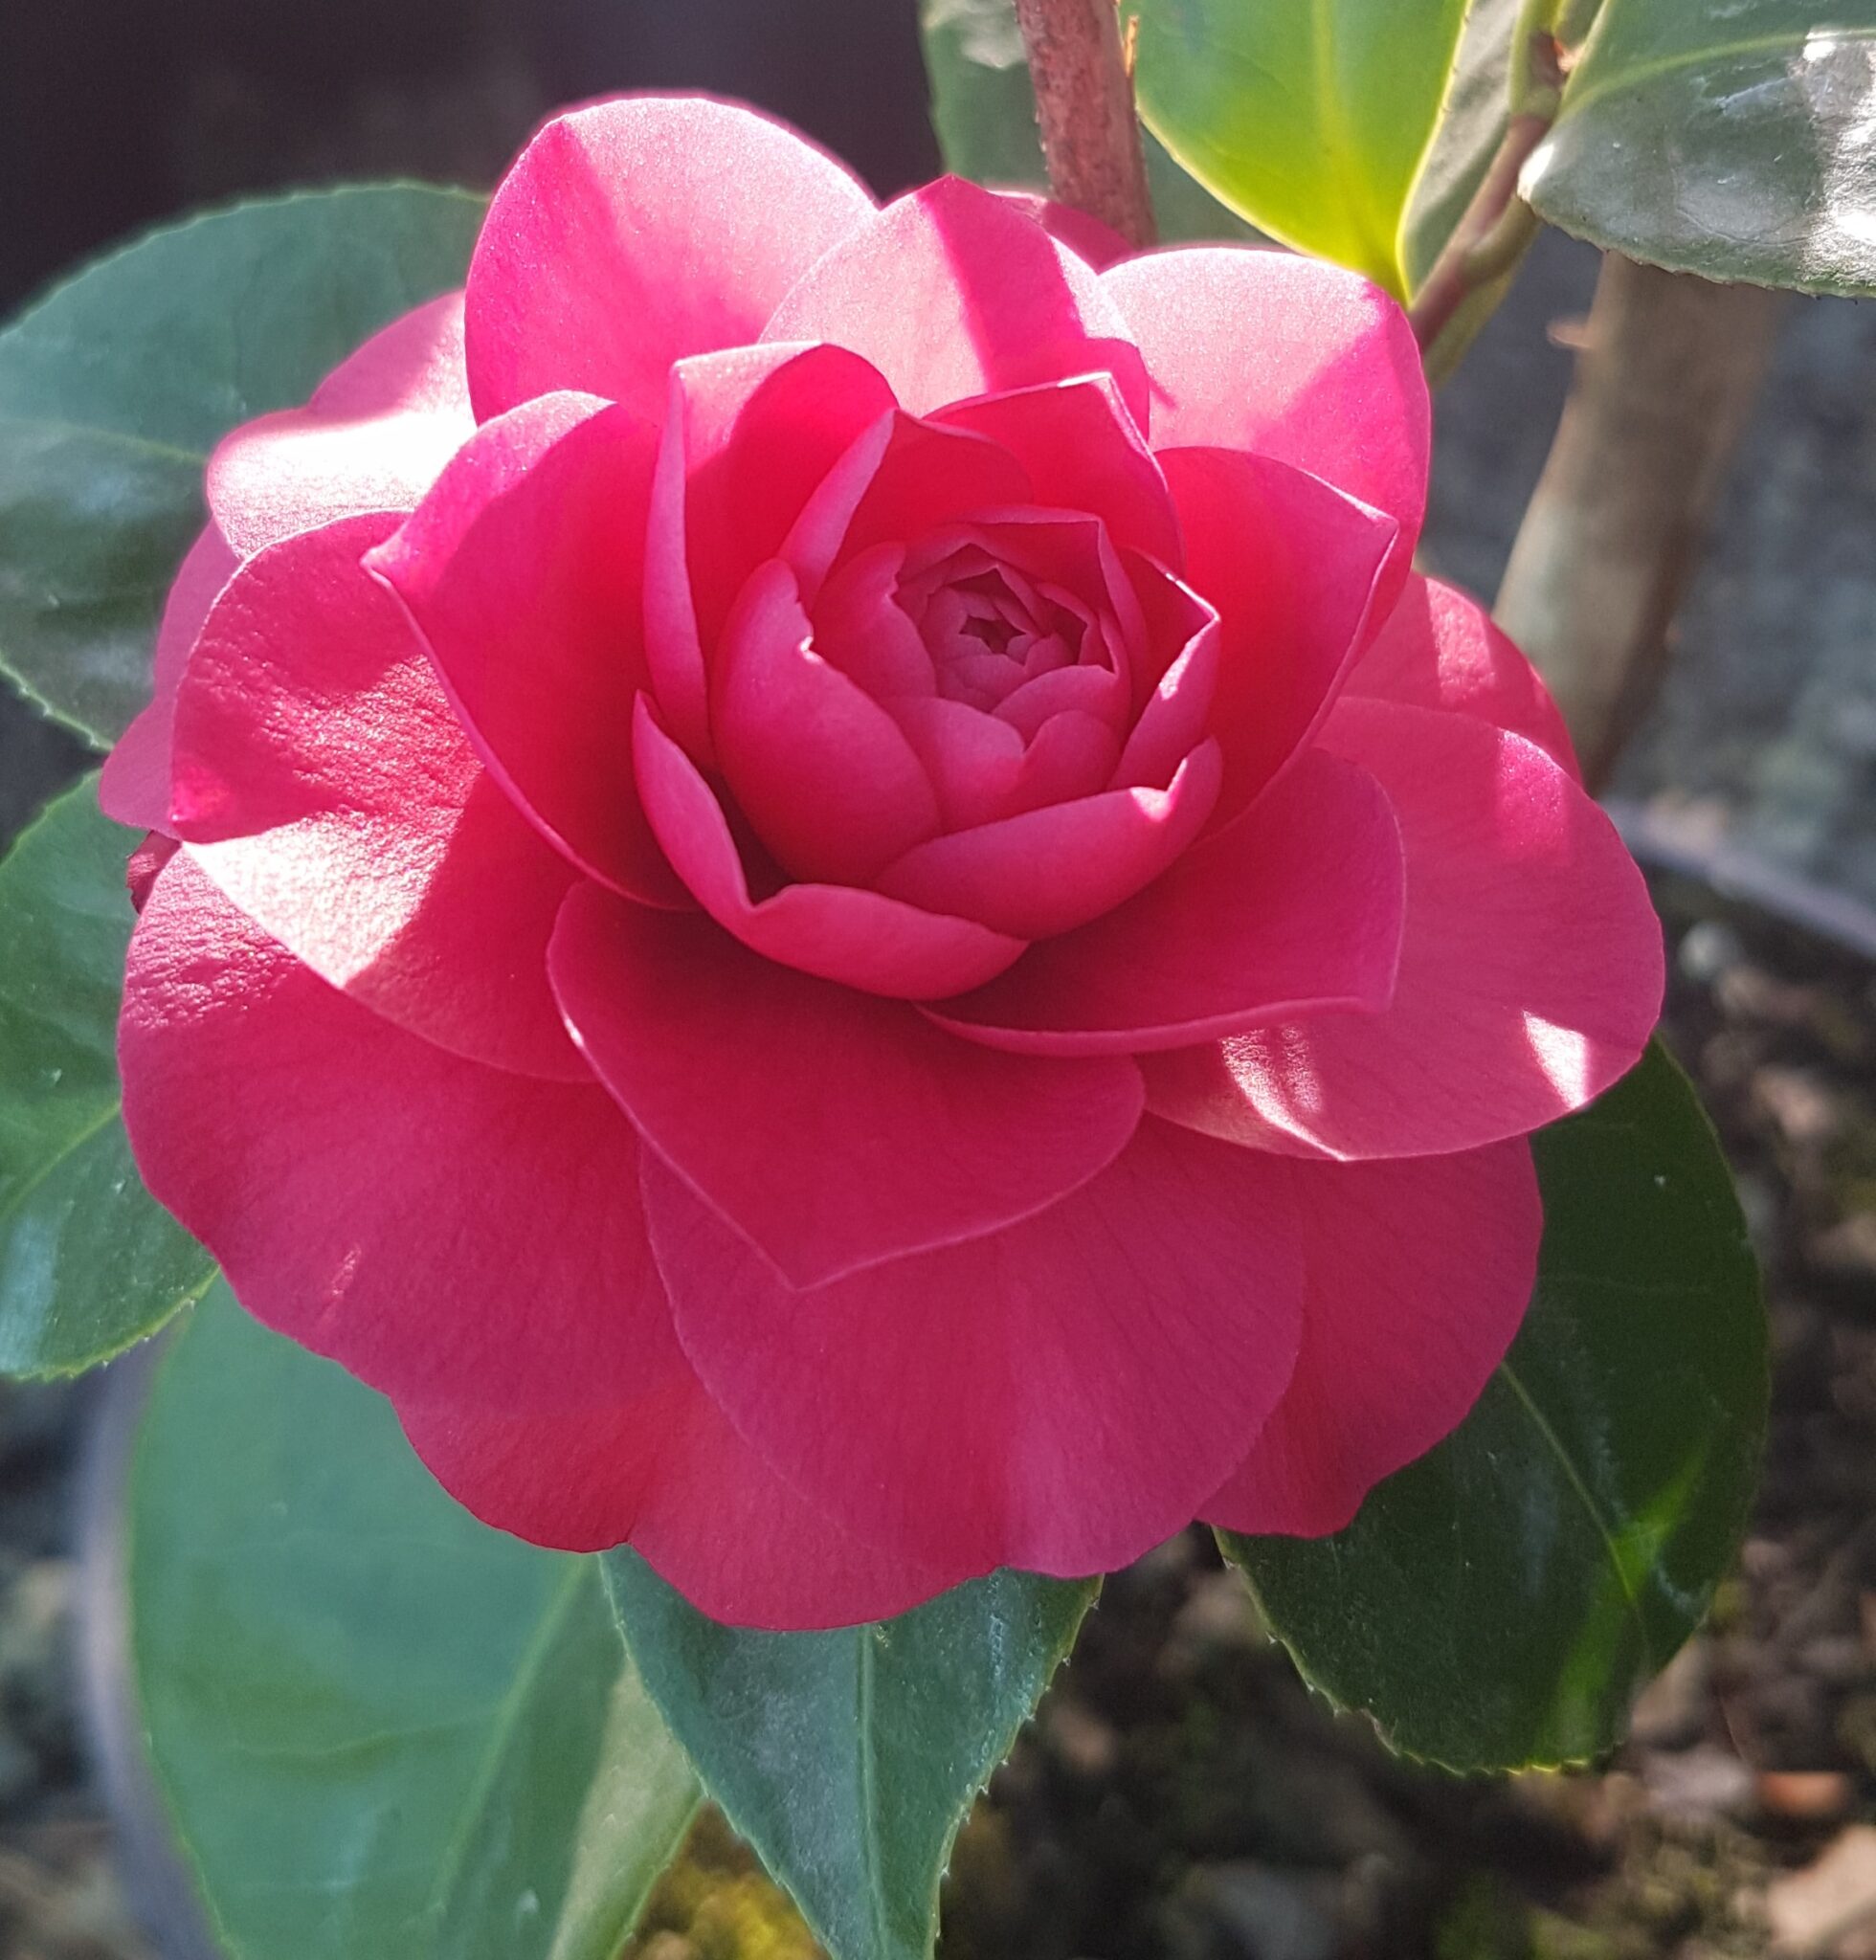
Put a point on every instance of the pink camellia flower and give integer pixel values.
(839, 906)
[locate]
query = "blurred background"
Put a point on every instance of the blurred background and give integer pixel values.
(1180, 1795)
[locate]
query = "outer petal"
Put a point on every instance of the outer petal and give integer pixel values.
(832, 1129)
(1294, 908)
(820, 769)
(668, 1473)
(329, 791)
(1285, 357)
(1082, 452)
(374, 436)
(1054, 1396)
(443, 1230)
(1053, 869)
(1295, 571)
(134, 788)
(1441, 650)
(521, 572)
(1530, 967)
(633, 233)
(748, 435)
(837, 932)
(952, 292)
(1420, 1273)
(1088, 237)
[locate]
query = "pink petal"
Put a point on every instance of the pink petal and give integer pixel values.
(668, 1472)
(1285, 357)
(521, 570)
(1051, 870)
(134, 788)
(952, 292)
(1082, 452)
(1419, 1274)
(748, 435)
(906, 480)
(1530, 967)
(833, 1129)
(1088, 237)
(637, 232)
(328, 790)
(374, 436)
(1182, 632)
(1441, 650)
(837, 932)
(860, 629)
(820, 769)
(1294, 570)
(1059, 1396)
(1295, 908)
(441, 1229)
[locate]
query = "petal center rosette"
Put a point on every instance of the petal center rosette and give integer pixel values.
(838, 906)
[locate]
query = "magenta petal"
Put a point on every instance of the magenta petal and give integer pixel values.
(1441, 650)
(1082, 452)
(837, 932)
(635, 233)
(1050, 870)
(1294, 570)
(521, 570)
(442, 1229)
(748, 435)
(134, 788)
(1175, 714)
(1285, 357)
(374, 436)
(833, 1129)
(952, 292)
(328, 789)
(1059, 1396)
(1419, 1272)
(667, 1472)
(1088, 237)
(820, 769)
(1531, 966)
(1294, 908)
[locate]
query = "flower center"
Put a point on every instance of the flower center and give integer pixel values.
(987, 628)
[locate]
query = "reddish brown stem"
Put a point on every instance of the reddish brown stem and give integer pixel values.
(1084, 104)
(1495, 225)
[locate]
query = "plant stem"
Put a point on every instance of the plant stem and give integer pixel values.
(1665, 383)
(1084, 104)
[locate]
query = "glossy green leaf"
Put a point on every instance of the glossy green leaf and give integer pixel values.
(383, 1728)
(1500, 1602)
(114, 388)
(89, 1262)
(849, 1759)
(984, 111)
(1471, 127)
(1311, 118)
(1729, 138)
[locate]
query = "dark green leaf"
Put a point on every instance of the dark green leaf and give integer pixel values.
(1729, 138)
(848, 1759)
(1310, 119)
(384, 1728)
(114, 388)
(88, 1261)
(984, 111)
(1499, 1602)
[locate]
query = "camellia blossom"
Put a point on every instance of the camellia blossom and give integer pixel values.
(823, 887)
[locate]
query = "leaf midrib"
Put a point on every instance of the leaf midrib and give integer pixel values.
(507, 1716)
(1540, 1422)
(1627, 80)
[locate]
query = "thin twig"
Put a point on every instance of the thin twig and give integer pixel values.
(1084, 104)
(1497, 224)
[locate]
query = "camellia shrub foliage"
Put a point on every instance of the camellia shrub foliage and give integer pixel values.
(800, 926)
